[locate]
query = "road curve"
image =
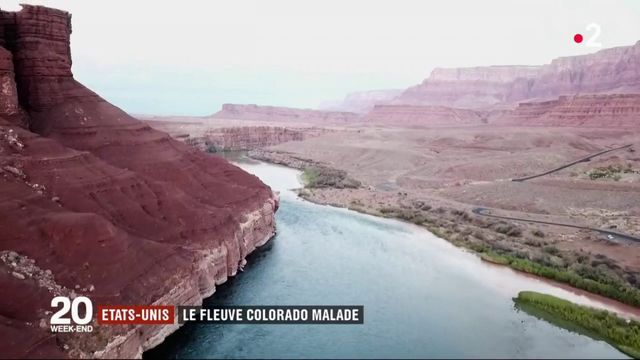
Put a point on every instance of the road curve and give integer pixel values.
(584, 159)
(485, 212)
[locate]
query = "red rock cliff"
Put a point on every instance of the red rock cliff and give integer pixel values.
(603, 111)
(615, 70)
(94, 202)
(475, 87)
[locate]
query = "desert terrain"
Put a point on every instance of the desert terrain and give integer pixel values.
(532, 167)
(439, 176)
(469, 167)
(448, 153)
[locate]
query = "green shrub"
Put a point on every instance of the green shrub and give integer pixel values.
(325, 177)
(591, 281)
(507, 229)
(551, 250)
(621, 333)
(610, 172)
(538, 233)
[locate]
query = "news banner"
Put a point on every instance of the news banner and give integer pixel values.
(76, 315)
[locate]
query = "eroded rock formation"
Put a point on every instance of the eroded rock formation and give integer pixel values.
(475, 87)
(96, 203)
(249, 138)
(362, 101)
(614, 70)
(423, 116)
(603, 111)
(283, 114)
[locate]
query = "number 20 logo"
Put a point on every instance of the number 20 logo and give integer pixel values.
(58, 319)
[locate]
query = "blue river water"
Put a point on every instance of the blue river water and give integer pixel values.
(422, 297)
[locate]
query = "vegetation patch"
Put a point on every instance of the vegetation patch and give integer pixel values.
(600, 324)
(614, 172)
(538, 233)
(506, 228)
(498, 242)
(326, 177)
(602, 285)
(600, 276)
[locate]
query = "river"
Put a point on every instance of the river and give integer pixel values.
(422, 296)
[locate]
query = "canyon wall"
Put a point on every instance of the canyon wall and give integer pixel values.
(615, 70)
(604, 111)
(284, 114)
(96, 203)
(423, 116)
(249, 138)
(215, 136)
(361, 101)
(476, 87)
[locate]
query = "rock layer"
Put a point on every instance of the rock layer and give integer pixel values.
(249, 138)
(475, 87)
(604, 111)
(96, 203)
(9, 105)
(283, 114)
(615, 70)
(423, 116)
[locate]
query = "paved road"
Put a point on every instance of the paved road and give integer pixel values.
(584, 159)
(486, 212)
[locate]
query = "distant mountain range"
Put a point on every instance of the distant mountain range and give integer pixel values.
(615, 70)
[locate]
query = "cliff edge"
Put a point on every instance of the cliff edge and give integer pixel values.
(608, 71)
(96, 203)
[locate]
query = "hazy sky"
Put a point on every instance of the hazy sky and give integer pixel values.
(189, 57)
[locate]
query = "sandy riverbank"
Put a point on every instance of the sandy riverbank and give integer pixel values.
(456, 223)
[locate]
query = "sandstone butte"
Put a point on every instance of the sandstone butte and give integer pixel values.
(96, 203)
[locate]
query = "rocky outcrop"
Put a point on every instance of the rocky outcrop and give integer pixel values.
(603, 111)
(423, 116)
(615, 70)
(476, 87)
(284, 114)
(9, 104)
(362, 101)
(96, 203)
(249, 138)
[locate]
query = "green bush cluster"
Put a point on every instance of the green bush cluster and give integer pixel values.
(610, 172)
(601, 276)
(621, 333)
(415, 216)
(325, 177)
(538, 233)
(608, 287)
(506, 229)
